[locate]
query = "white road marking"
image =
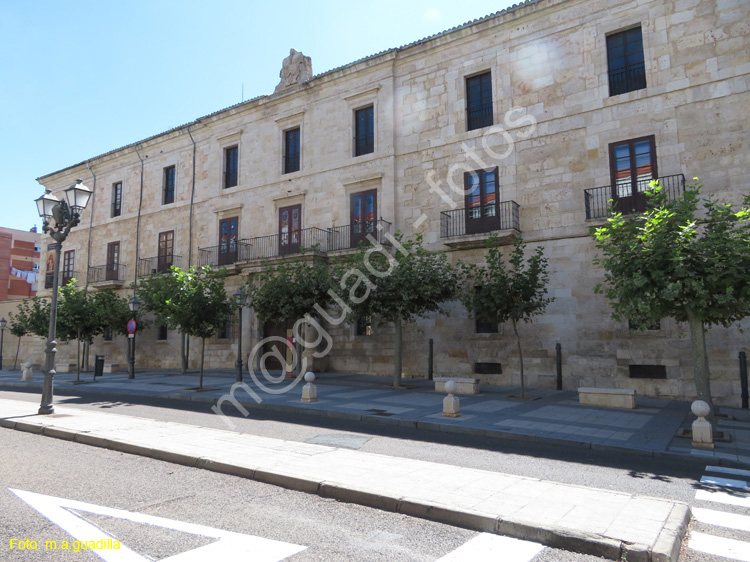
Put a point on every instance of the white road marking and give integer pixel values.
(719, 546)
(720, 481)
(487, 547)
(229, 546)
(722, 519)
(723, 497)
(725, 470)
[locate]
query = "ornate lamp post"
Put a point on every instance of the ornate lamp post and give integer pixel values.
(66, 215)
(239, 297)
(134, 304)
(3, 323)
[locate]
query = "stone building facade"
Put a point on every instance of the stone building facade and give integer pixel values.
(523, 122)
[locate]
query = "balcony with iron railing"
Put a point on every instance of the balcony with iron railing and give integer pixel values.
(286, 244)
(505, 223)
(352, 236)
(108, 275)
(158, 264)
(223, 255)
(597, 199)
(627, 79)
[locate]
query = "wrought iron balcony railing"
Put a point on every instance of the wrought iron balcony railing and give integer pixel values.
(218, 256)
(158, 264)
(351, 236)
(628, 79)
(597, 199)
(107, 272)
(65, 277)
(274, 245)
(453, 223)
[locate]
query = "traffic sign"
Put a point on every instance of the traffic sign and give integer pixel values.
(131, 326)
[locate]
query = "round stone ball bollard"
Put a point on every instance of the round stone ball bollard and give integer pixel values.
(451, 405)
(309, 391)
(26, 373)
(703, 435)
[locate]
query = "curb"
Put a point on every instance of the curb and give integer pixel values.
(666, 548)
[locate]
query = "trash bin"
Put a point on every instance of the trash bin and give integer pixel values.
(98, 365)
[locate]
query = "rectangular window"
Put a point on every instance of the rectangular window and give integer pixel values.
(161, 333)
(68, 266)
(648, 326)
(482, 326)
(625, 61)
(482, 205)
(108, 334)
(117, 199)
(647, 371)
(479, 101)
(364, 216)
(226, 330)
(291, 151)
(169, 185)
(632, 167)
(364, 135)
(230, 166)
(364, 325)
(290, 225)
(165, 259)
(113, 261)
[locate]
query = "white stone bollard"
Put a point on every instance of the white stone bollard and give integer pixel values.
(309, 391)
(703, 435)
(451, 405)
(27, 372)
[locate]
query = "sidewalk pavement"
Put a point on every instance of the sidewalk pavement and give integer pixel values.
(654, 428)
(599, 522)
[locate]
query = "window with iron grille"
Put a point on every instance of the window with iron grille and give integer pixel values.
(230, 166)
(169, 174)
(481, 326)
(625, 61)
(161, 333)
(488, 368)
(291, 150)
(479, 101)
(648, 326)
(108, 334)
(364, 136)
(117, 199)
(364, 325)
(227, 330)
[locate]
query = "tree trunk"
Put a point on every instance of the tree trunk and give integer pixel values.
(183, 353)
(78, 361)
(15, 361)
(203, 355)
(86, 353)
(520, 358)
(397, 341)
(701, 373)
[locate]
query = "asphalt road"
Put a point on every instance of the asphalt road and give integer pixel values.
(633, 474)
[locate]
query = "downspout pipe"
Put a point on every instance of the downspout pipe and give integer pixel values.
(91, 222)
(192, 199)
(138, 223)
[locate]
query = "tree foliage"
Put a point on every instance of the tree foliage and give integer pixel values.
(398, 284)
(515, 291)
(194, 302)
(31, 318)
(686, 258)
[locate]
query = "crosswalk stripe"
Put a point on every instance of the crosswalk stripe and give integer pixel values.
(487, 547)
(723, 497)
(725, 470)
(722, 519)
(728, 482)
(719, 546)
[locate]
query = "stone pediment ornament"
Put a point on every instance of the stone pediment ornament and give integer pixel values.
(295, 69)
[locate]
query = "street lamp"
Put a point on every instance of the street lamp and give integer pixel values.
(3, 323)
(133, 304)
(239, 297)
(66, 214)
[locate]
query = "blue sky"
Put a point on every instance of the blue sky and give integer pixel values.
(82, 78)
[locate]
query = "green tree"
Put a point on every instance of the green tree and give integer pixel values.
(514, 291)
(78, 317)
(684, 258)
(401, 283)
(294, 291)
(112, 311)
(194, 302)
(31, 318)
